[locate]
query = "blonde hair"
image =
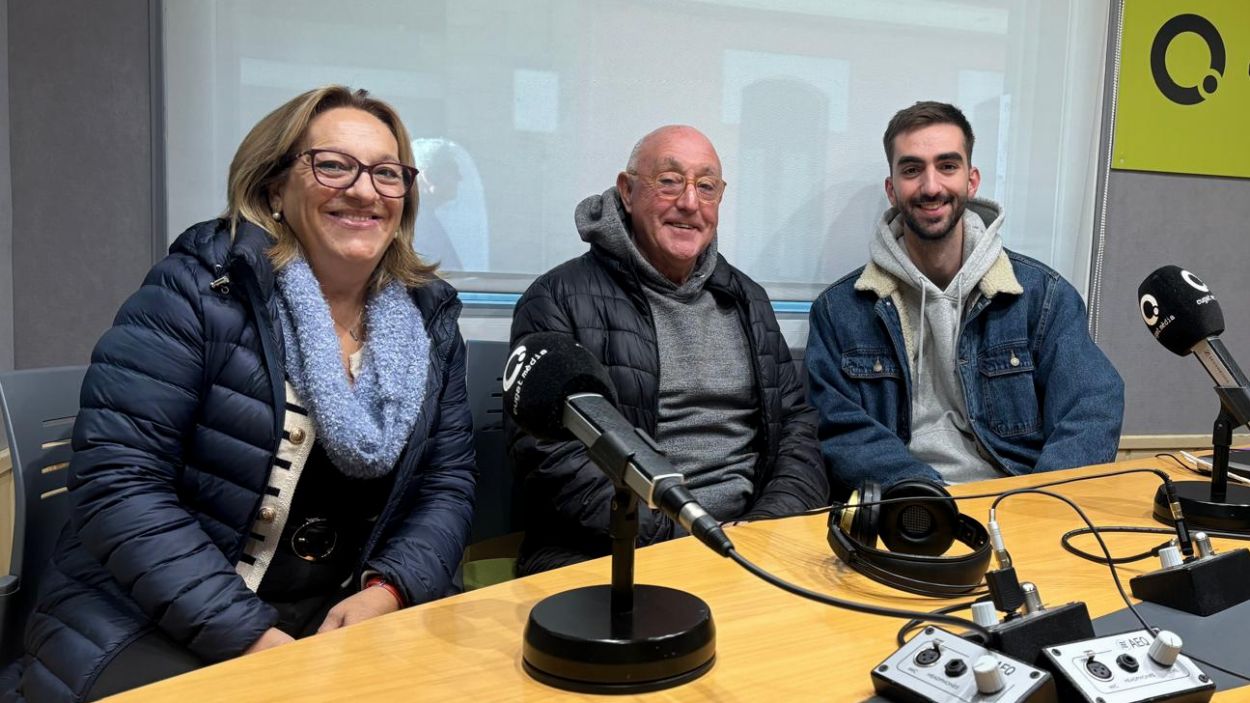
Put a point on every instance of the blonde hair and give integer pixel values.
(265, 156)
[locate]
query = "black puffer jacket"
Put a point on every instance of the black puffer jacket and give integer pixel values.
(598, 299)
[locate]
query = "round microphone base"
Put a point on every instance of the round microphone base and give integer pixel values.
(574, 642)
(1201, 513)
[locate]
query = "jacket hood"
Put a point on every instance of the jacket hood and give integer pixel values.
(603, 224)
(981, 247)
(210, 243)
(886, 272)
(890, 268)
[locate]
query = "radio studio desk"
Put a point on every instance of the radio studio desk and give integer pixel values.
(771, 646)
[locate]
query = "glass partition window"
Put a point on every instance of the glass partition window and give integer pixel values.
(520, 110)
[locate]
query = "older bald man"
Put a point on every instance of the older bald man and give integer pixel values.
(694, 350)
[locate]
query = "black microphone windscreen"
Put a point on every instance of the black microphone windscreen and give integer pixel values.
(1179, 309)
(542, 371)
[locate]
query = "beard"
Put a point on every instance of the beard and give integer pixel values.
(928, 230)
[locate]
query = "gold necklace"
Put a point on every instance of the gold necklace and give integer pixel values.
(354, 330)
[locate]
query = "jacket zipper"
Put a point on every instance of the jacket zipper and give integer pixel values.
(375, 534)
(260, 312)
(268, 343)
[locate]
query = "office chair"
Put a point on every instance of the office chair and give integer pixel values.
(38, 408)
(498, 512)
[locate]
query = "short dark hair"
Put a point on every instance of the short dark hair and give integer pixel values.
(923, 114)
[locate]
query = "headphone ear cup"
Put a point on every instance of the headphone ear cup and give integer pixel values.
(867, 517)
(924, 527)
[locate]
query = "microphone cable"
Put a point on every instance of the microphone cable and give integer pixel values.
(932, 590)
(853, 605)
(942, 615)
(1109, 563)
(901, 638)
(1066, 541)
(1115, 575)
(975, 496)
(1194, 465)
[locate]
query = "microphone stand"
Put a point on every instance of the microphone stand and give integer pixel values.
(1213, 505)
(623, 529)
(622, 638)
(1221, 441)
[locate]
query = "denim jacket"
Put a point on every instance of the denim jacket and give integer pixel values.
(1040, 394)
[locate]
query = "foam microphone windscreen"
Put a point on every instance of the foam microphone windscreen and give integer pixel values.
(1179, 309)
(543, 369)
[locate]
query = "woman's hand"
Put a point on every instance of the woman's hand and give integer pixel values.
(369, 603)
(272, 638)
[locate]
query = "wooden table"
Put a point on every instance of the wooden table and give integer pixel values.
(771, 646)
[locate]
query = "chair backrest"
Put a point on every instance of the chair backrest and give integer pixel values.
(39, 407)
(498, 503)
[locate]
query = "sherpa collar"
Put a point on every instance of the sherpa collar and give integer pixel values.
(1000, 278)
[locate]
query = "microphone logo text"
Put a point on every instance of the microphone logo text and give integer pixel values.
(513, 367)
(1149, 312)
(515, 371)
(1194, 281)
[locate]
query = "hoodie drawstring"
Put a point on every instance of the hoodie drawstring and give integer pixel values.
(915, 386)
(959, 323)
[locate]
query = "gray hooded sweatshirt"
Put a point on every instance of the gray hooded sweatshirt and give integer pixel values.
(707, 393)
(941, 434)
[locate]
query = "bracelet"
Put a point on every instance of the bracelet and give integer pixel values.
(390, 588)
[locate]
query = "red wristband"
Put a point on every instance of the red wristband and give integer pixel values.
(390, 588)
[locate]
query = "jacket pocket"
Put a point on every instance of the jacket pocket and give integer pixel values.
(1007, 390)
(866, 364)
(877, 388)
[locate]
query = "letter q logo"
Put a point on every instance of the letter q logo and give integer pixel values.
(1194, 281)
(1187, 94)
(1149, 310)
(512, 369)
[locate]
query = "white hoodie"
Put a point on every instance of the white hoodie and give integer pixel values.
(941, 434)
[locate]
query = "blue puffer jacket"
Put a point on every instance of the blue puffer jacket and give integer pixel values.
(180, 422)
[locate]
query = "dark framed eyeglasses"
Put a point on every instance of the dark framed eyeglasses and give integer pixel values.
(671, 184)
(334, 169)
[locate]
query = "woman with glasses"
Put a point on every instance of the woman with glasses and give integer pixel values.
(274, 438)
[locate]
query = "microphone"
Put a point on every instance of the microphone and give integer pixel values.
(1182, 313)
(555, 389)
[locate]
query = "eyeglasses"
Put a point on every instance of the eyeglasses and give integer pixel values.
(314, 540)
(334, 169)
(671, 184)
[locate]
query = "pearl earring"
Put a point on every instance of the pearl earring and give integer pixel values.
(277, 216)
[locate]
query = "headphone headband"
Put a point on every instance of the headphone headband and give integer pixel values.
(926, 575)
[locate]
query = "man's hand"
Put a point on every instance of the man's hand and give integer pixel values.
(270, 639)
(358, 607)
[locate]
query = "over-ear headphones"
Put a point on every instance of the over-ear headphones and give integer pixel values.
(917, 529)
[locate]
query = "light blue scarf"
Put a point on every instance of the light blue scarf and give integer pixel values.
(363, 426)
